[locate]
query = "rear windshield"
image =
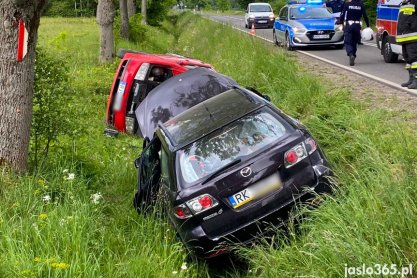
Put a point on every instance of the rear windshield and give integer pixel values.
(304, 12)
(237, 140)
(260, 8)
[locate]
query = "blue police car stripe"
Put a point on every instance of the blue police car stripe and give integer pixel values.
(387, 13)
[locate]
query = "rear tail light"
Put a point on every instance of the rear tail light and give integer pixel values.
(311, 145)
(130, 125)
(299, 152)
(182, 212)
(143, 70)
(195, 206)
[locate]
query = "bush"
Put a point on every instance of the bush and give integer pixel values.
(66, 8)
(158, 10)
(137, 30)
(50, 99)
(277, 5)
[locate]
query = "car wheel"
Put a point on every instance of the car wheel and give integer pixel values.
(389, 56)
(339, 46)
(246, 26)
(287, 43)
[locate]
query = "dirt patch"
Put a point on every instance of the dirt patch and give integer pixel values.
(372, 94)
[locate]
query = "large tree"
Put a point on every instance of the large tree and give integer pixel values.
(131, 8)
(16, 80)
(105, 18)
(124, 27)
(143, 9)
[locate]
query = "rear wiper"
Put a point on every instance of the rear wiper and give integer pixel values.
(217, 172)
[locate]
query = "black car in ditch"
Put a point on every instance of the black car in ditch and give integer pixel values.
(227, 167)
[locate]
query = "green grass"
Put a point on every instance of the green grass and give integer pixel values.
(371, 219)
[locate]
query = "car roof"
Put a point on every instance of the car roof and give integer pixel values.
(165, 58)
(209, 116)
(260, 3)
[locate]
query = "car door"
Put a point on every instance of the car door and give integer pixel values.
(168, 186)
(149, 173)
(281, 24)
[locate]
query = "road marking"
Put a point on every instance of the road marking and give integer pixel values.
(237, 18)
(370, 76)
(370, 44)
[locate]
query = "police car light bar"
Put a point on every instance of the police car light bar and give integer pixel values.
(308, 2)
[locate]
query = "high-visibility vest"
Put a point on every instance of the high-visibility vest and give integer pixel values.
(407, 23)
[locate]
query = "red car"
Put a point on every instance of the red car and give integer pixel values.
(138, 73)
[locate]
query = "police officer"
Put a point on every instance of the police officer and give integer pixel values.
(407, 36)
(351, 18)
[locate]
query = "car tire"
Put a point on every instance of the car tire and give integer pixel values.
(287, 43)
(246, 26)
(389, 56)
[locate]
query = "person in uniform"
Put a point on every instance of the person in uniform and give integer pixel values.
(351, 16)
(407, 37)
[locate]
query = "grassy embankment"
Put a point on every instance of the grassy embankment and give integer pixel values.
(370, 220)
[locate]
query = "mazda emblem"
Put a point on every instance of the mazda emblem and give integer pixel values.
(246, 172)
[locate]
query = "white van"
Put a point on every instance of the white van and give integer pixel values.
(260, 15)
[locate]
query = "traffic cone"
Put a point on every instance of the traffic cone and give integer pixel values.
(252, 30)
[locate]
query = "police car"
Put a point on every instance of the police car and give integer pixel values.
(307, 23)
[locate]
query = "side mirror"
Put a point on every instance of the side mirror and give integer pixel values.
(138, 162)
(266, 97)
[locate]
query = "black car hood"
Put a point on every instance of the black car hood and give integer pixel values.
(178, 94)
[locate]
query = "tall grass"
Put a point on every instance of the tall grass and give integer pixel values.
(371, 219)
(77, 233)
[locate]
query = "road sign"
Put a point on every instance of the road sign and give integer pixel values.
(22, 43)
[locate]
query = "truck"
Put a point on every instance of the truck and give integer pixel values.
(386, 25)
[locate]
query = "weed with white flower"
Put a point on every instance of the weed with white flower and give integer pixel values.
(46, 198)
(96, 198)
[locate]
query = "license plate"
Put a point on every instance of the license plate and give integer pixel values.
(321, 36)
(119, 96)
(262, 21)
(257, 190)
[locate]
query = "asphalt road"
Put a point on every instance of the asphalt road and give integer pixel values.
(369, 61)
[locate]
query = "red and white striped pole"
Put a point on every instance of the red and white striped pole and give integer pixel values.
(22, 43)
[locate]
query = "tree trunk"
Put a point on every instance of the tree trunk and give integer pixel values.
(16, 80)
(124, 27)
(131, 8)
(143, 11)
(105, 18)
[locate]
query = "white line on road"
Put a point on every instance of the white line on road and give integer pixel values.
(370, 76)
(370, 44)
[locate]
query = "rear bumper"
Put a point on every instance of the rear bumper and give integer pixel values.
(205, 246)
